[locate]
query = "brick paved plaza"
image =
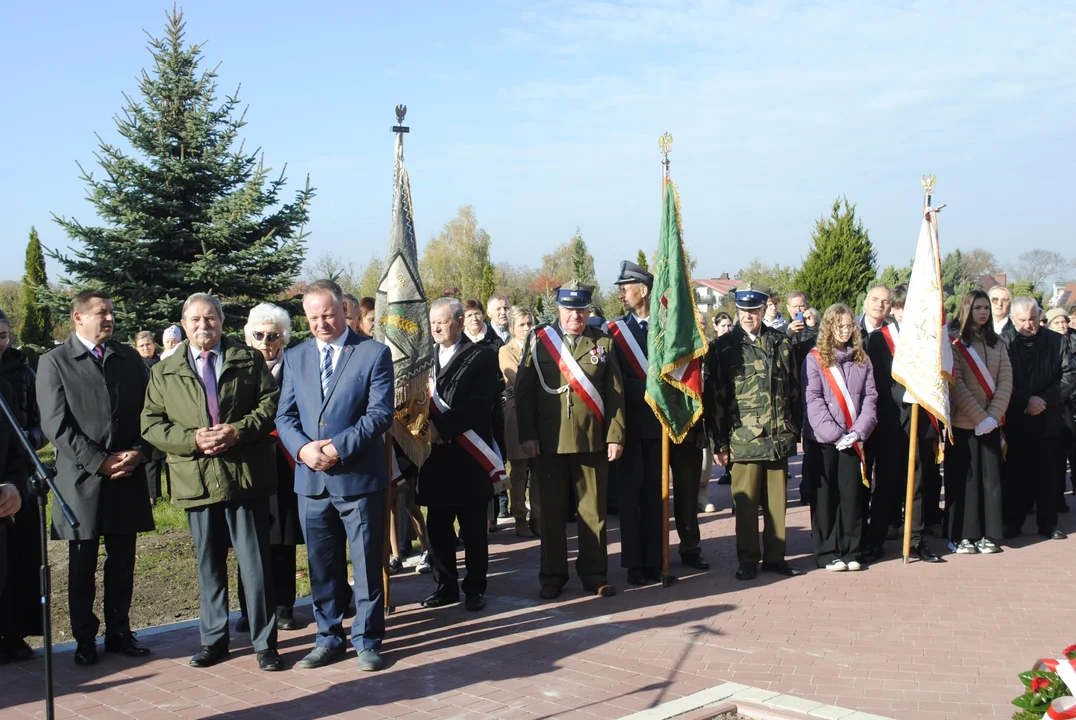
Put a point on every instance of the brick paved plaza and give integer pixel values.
(918, 641)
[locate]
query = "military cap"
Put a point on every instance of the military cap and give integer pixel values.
(752, 298)
(632, 273)
(575, 295)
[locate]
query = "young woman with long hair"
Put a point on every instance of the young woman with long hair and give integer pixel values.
(841, 411)
(980, 396)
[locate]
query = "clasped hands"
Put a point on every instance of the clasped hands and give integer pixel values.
(986, 426)
(847, 441)
(319, 455)
(121, 464)
(216, 439)
(1035, 405)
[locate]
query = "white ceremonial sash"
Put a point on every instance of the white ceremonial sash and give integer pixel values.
(984, 377)
(475, 446)
(630, 346)
(835, 379)
(569, 368)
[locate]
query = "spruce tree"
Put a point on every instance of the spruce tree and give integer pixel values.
(489, 285)
(187, 211)
(36, 328)
(841, 261)
(641, 261)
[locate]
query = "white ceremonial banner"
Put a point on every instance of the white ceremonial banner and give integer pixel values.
(923, 361)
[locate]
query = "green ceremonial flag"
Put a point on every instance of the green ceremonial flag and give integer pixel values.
(676, 344)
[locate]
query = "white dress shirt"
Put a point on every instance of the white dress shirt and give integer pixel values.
(194, 358)
(337, 346)
(445, 355)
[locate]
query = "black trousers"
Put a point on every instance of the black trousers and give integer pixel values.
(931, 482)
(891, 484)
(837, 511)
(685, 460)
(118, 585)
(442, 537)
(1066, 454)
(20, 601)
(639, 503)
(973, 486)
(282, 568)
(243, 525)
(1030, 477)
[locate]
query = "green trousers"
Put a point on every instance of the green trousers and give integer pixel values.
(748, 479)
(588, 473)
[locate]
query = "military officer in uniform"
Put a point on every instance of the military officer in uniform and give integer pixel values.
(570, 409)
(639, 470)
(753, 416)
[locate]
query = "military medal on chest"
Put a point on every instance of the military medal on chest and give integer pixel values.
(597, 355)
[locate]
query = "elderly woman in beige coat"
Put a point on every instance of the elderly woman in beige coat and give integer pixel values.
(980, 396)
(520, 322)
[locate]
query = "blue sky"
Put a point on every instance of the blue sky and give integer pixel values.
(545, 116)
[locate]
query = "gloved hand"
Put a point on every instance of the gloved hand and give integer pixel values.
(847, 441)
(986, 426)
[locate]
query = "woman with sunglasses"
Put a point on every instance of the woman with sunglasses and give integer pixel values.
(268, 331)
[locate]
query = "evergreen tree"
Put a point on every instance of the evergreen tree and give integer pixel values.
(582, 261)
(36, 328)
(489, 285)
(187, 212)
(641, 261)
(841, 261)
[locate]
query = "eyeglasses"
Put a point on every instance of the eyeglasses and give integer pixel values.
(261, 336)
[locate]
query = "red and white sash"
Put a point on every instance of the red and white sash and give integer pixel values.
(1063, 708)
(625, 339)
(836, 383)
(571, 371)
(470, 441)
(982, 375)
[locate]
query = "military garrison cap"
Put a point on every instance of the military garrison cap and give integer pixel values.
(752, 298)
(575, 295)
(632, 273)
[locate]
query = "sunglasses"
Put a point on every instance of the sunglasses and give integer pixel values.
(261, 336)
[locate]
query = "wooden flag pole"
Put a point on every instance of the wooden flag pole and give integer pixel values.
(909, 494)
(913, 440)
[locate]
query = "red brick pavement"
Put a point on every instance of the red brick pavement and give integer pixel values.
(918, 641)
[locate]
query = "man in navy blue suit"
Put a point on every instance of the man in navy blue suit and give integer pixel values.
(336, 403)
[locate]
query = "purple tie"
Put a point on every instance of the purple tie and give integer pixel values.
(209, 380)
(98, 352)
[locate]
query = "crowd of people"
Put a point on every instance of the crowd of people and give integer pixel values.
(268, 447)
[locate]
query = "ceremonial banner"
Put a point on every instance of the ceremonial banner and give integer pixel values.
(403, 322)
(923, 361)
(676, 344)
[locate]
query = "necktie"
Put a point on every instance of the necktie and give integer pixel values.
(643, 324)
(209, 380)
(326, 370)
(98, 352)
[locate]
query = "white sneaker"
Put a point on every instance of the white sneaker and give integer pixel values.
(423, 565)
(837, 566)
(987, 546)
(854, 565)
(966, 547)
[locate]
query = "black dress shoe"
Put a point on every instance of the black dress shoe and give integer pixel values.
(209, 656)
(474, 603)
(696, 562)
(16, 649)
(441, 597)
(747, 571)
(125, 644)
(242, 625)
(781, 568)
(287, 622)
(925, 554)
(322, 656)
(638, 576)
(269, 660)
(605, 590)
(872, 554)
(549, 592)
(86, 653)
(1055, 534)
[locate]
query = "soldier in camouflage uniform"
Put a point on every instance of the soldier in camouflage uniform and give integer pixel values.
(571, 443)
(753, 416)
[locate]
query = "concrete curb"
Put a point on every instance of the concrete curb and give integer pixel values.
(758, 703)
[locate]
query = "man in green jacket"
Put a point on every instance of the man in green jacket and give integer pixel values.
(753, 417)
(211, 406)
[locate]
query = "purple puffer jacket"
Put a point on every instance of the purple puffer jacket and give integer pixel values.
(824, 419)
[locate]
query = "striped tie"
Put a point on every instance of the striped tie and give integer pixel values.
(326, 370)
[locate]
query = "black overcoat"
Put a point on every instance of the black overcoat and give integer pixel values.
(470, 386)
(90, 409)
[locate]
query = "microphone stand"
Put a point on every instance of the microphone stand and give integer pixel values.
(40, 483)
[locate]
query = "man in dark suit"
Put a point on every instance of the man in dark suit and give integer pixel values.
(336, 403)
(456, 482)
(91, 390)
(639, 468)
